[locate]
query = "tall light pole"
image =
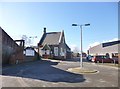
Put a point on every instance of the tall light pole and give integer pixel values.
(81, 61)
(33, 39)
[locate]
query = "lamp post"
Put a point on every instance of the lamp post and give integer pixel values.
(81, 61)
(33, 39)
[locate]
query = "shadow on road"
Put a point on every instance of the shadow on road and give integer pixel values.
(43, 70)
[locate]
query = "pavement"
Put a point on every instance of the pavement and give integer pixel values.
(53, 73)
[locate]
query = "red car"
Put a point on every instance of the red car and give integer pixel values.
(102, 59)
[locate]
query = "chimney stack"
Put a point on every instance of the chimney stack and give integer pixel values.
(44, 29)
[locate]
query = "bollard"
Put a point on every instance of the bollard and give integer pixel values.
(97, 61)
(98, 64)
(102, 61)
(114, 61)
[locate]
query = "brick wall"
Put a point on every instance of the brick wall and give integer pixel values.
(11, 51)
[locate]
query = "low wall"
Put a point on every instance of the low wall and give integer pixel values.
(31, 58)
(6, 54)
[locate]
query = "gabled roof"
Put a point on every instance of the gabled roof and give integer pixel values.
(67, 47)
(51, 38)
(29, 48)
(46, 47)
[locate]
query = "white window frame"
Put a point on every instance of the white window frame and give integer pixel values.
(55, 51)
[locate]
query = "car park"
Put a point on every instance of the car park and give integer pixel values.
(102, 59)
(89, 58)
(115, 59)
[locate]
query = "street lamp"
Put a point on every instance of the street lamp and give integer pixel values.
(81, 62)
(33, 39)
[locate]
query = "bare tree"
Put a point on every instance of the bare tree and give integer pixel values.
(76, 50)
(27, 40)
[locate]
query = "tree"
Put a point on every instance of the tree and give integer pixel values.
(76, 50)
(26, 39)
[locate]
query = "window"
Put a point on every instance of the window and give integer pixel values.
(61, 50)
(48, 52)
(64, 50)
(55, 51)
(30, 52)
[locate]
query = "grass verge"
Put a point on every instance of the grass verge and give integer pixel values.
(82, 70)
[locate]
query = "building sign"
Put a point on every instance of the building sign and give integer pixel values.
(30, 52)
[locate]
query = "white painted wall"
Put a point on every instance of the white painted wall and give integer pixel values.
(30, 52)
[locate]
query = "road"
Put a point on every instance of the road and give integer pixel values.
(53, 73)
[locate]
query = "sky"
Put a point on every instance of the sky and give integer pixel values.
(29, 18)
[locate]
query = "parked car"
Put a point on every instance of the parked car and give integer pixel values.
(102, 59)
(89, 58)
(115, 59)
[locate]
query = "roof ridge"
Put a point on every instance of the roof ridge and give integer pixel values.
(50, 38)
(52, 32)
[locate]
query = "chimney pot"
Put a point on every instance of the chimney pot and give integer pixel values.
(44, 29)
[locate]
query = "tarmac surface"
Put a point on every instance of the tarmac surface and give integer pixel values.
(53, 73)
